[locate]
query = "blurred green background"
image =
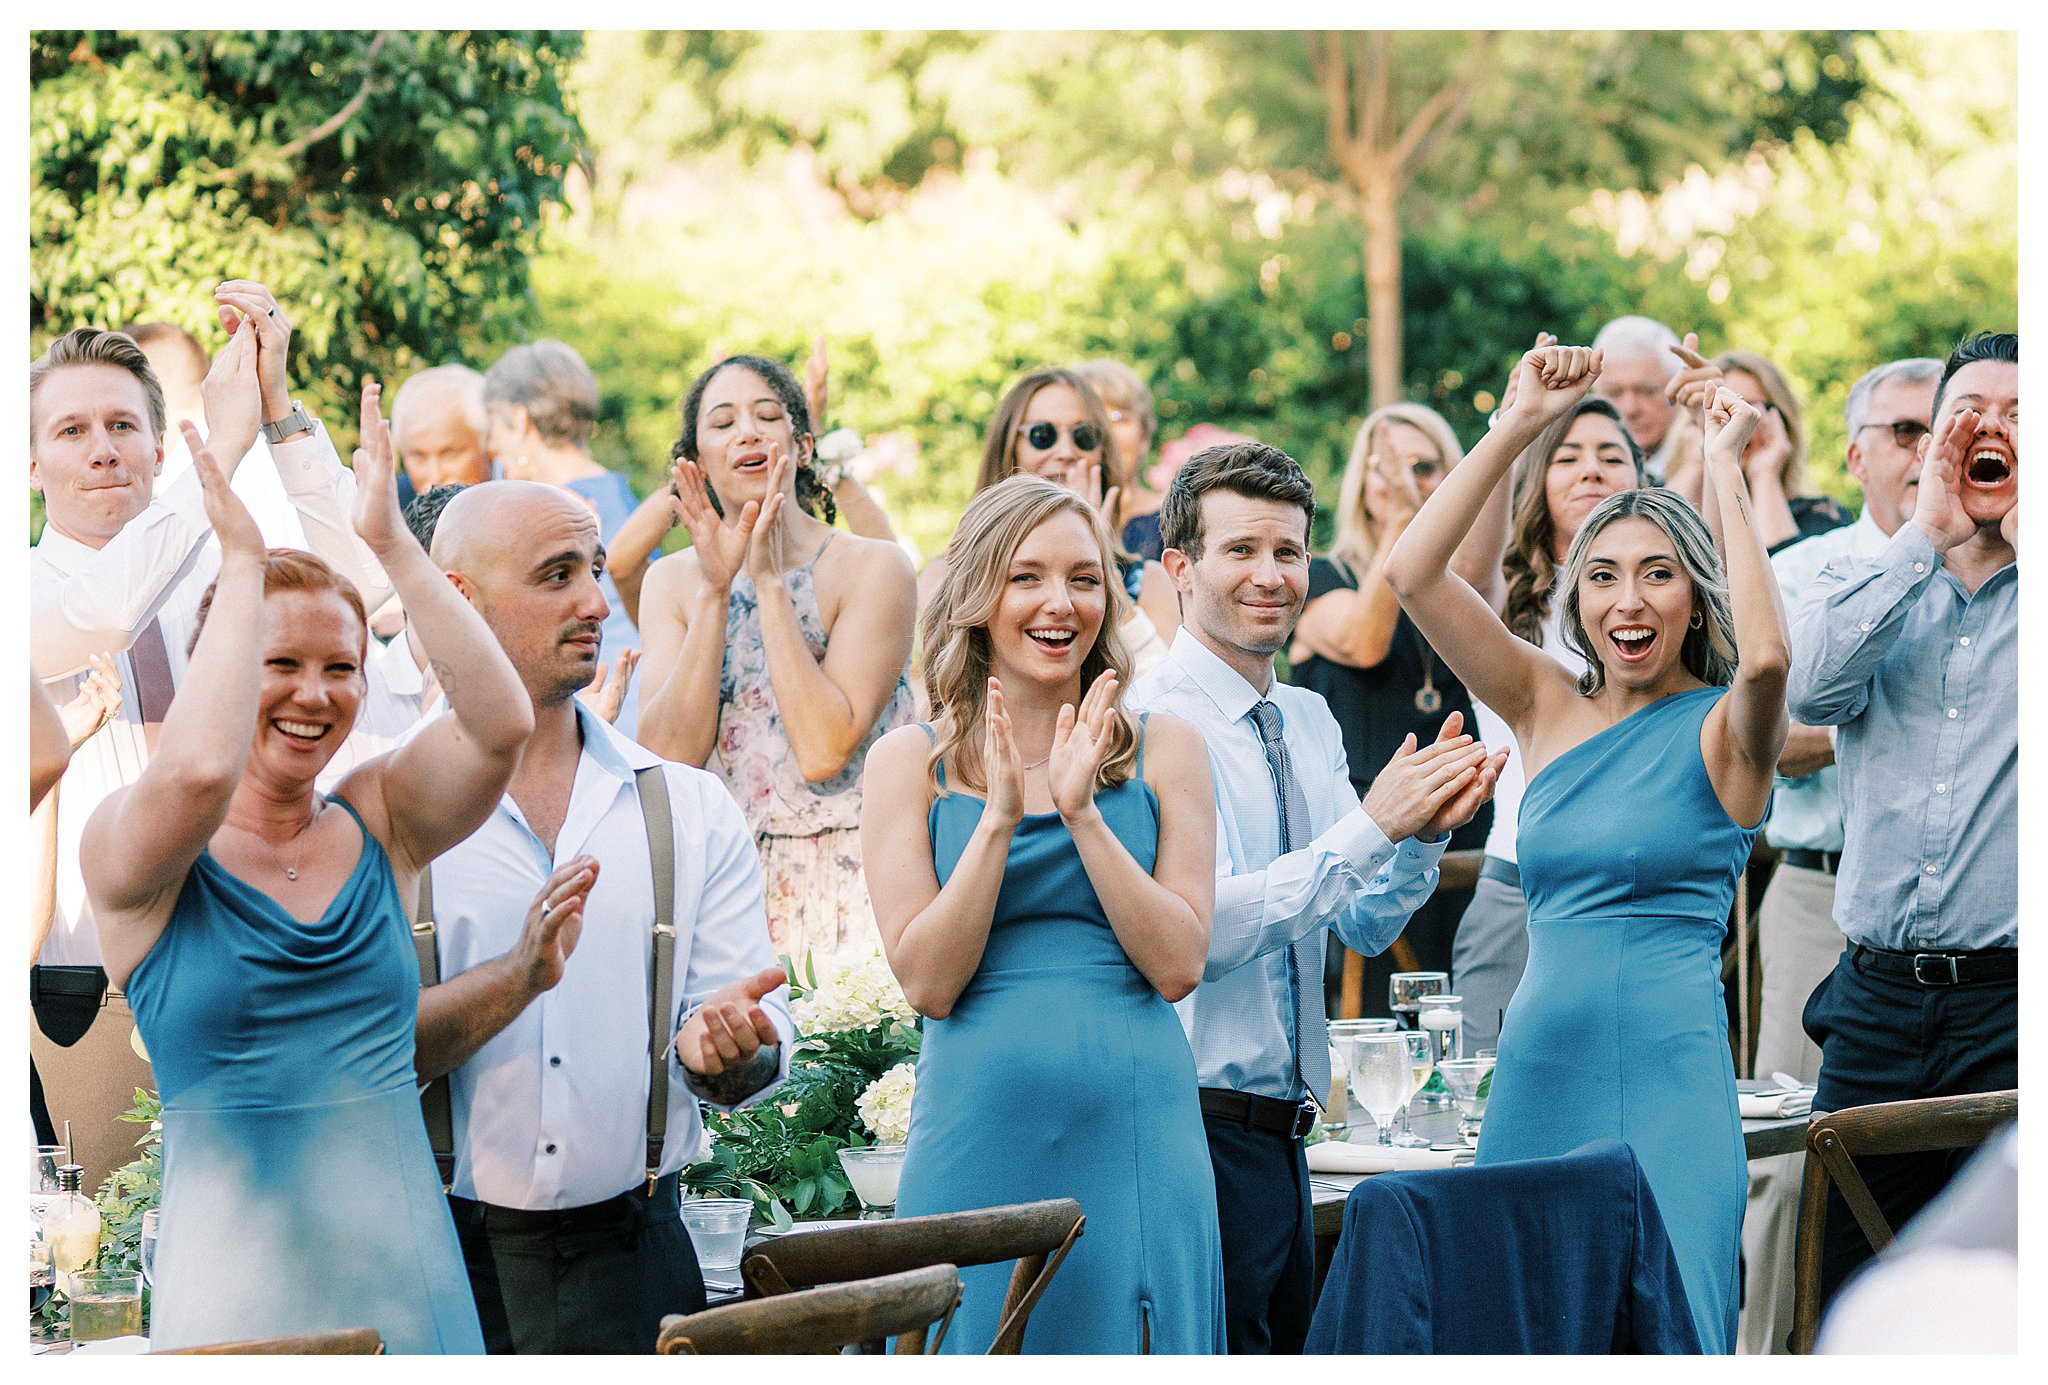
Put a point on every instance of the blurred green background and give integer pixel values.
(952, 209)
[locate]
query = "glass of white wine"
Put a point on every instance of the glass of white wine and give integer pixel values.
(1421, 1063)
(1381, 1078)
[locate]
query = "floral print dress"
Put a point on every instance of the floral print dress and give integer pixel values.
(808, 833)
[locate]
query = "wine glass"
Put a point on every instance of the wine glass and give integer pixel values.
(1421, 1065)
(42, 1275)
(149, 1225)
(1470, 1081)
(1336, 1117)
(1380, 1078)
(1405, 990)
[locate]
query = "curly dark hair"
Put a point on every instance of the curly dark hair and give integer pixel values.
(811, 492)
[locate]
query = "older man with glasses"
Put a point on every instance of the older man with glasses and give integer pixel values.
(1798, 941)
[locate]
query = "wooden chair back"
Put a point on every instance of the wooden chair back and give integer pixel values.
(812, 1321)
(1835, 1140)
(353, 1341)
(1037, 1235)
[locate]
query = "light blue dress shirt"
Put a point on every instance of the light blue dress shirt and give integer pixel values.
(1350, 878)
(1922, 677)
(1806, 812)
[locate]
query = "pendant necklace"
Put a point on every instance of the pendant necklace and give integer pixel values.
(1428, 700)
(291, 872)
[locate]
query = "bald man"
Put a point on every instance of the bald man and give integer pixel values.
(565, 1152)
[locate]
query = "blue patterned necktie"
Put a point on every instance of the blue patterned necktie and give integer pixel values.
(1311, 1036)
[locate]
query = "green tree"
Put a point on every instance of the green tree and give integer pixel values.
(389, 186)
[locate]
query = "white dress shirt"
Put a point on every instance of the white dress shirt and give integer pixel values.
(85, 601)
(1350, 878)
(552, 1112)
(258, 484)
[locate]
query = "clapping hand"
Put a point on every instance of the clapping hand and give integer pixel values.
(232, 523)
(1001, 766)
(1080, 738)
(97, 701)
(242, 301)
(1462, 804)
(554, 923)
(1104, 503)
(232, 399)
(764, 546)
(720, 544)
(1412, 792)
(1726, 425)
(607, 691)
(728, 1031)
(1939, 512)
(1549, 381)
(378, 519)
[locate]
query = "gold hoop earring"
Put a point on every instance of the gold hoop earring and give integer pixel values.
(1698, 620)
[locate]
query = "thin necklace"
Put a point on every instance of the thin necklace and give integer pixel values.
(291, 872)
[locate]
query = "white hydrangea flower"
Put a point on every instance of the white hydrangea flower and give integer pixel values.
(860, 994)
(885, 1106)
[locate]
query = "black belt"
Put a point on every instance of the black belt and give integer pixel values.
(629, 1208)
(1825, 861)
(1942, 968)
(1293, 1119)
(1506, 872)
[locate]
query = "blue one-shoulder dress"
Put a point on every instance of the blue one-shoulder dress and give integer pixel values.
(299, 1191)
(1061, 1072)
(1619, 1029)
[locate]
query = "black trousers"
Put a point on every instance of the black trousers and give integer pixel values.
(1269, 1249)
(1889, 1038)
(593, 1280)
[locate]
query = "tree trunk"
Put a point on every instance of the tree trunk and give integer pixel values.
(1379, 204)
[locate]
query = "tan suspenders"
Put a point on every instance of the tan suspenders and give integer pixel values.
(435, 1103)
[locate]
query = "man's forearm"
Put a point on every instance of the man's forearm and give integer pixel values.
(1807, 749)
(738, 1080)
(462, 1014)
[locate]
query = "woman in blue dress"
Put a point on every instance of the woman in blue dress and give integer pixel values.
(1648, 776)
(257, 929)
(1043, 870)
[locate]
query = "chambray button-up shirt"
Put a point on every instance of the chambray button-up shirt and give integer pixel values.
(1806, 812)
(1349, 877)
(1922, 677)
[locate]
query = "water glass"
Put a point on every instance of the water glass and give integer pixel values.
(149, 1225)
(718, 1233)
(1337, 1109)
(42, 1275)
(1381, 1078)
(105, 1304)
(1442, 1017)
(1405, 990)
(874, 1171)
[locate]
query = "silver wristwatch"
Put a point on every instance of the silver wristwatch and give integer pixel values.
(297, 421)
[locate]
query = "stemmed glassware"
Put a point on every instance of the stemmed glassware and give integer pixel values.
(1381, 1078)
(149, 1225)
(1405, 990)
(1421, 1064)
(1337, 1110)
(1470, 1081)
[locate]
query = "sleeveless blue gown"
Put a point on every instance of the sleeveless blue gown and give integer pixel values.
(1618, 1029)
(1061, 1072)
(299, 1191)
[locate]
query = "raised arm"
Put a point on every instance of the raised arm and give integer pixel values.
(49, 746)
(627, 556)
(683, 637)
(438, 787)
(1161, 918)
(1506, 673)
(1746, 730)
(829, 705)
(1356, 627)
(142, 840)
(933, 937)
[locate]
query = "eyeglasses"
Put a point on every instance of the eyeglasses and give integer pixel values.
(1906, 432)
(1087, 437)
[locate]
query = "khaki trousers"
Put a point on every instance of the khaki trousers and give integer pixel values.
(1797, 947)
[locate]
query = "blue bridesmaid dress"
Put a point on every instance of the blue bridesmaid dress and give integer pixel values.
(1619, 1029)
(1061, 1072)
(299, 1191)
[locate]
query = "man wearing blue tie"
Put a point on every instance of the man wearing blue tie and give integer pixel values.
(1297, 853)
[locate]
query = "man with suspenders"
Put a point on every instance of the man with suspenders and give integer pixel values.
(572, 1082)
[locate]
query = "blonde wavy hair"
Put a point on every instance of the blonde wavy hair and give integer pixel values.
(1359, 532)
(953, 627)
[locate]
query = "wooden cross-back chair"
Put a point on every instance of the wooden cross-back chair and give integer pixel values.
(1037, 1235)
(1835, 1140)
(812, 1321)
(353, 1341)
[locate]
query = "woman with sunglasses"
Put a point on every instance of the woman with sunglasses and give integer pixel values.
(1053, 424)
(776, 649)
(1356, 647)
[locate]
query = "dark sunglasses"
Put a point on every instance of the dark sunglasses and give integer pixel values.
(1906, 432)
(1087, 437)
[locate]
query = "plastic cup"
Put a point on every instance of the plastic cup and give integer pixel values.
(718, 1232)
